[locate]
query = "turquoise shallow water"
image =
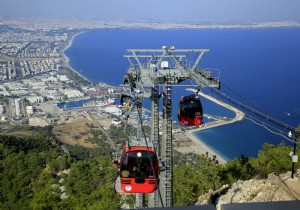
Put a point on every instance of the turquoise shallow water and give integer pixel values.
(262, 65)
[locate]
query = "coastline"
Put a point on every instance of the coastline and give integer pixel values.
(195, 144)
(202, 148)
(198, 146)
(190, 143)
(66, 58)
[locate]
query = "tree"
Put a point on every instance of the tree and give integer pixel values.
(47, 194)
(238, 168)
(90, 184)
(272, 159)
(193, 177)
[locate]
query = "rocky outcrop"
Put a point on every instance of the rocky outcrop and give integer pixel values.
(274, 188)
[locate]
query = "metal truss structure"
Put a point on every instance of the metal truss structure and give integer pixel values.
(155, 70)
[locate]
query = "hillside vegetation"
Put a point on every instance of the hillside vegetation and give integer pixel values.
(197, 174)
(36, 174)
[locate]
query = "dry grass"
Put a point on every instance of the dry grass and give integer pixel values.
(75, 133)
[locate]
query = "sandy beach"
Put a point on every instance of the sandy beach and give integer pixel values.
(196, 145)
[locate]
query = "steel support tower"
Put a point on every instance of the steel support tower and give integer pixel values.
(153, 200)
(154, 69)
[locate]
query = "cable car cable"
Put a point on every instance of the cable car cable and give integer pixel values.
(239, 95)
(147, 145)
(124, 129)
(262, 124)
(151, 163)
(258, 122)
(268, 127)
(259, 114)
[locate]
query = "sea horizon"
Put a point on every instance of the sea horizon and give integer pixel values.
(95, 54)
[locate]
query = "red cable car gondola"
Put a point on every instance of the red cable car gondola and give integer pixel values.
(190, 112)
(136, 174)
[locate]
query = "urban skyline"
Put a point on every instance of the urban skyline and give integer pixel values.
(167, 10)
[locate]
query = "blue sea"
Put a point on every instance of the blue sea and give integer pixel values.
(258, 65)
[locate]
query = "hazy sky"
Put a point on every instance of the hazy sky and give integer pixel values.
(232, 10)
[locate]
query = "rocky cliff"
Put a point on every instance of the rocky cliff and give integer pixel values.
(274, 188)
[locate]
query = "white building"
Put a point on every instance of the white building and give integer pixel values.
(29, 110)
(34, 99)
(53, 94)
(88, 89)
(19, 92)
(51, 79)
(15, 86)
(72, 93)
(17, 107)
(63, 78)
(38, 85)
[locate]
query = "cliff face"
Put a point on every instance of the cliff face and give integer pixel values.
(274, 188)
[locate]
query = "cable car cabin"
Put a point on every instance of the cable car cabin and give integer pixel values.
(136, 174)
(190, 112)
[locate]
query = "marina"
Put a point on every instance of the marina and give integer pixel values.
(100, 102)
